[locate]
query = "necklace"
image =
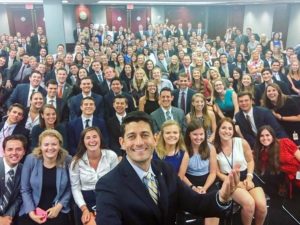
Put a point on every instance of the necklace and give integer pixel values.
(230, 164)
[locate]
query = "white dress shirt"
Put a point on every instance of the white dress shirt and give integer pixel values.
(7, 168)
(251, 117)
(84, 177)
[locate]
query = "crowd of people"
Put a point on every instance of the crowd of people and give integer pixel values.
(215, 102)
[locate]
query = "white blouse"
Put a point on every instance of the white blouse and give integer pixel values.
(237, 156)
(84, 177)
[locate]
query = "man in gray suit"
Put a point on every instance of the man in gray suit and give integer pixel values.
(10, 177)
(167, 112)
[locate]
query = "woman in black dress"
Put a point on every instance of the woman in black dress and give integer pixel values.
(285, 109)
(149, 102)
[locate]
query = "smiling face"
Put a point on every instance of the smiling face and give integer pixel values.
(198, 103)
(13, 152)
(272, 94)
(166, 99)
(50, 147)
(266, 138)
(15, 115)
(197, 136)
(49, 116)
(171, 134)
(139, 143)
(226, 131)
(92, 141)
(246, 80)
(37, 100)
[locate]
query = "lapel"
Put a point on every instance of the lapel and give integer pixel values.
(2, 176)
(58, 182)
(256, 117)
(161, 118)
(18, 176)
(131, 179)
(39, 176)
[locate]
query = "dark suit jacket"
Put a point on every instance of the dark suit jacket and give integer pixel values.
(34, 43)
(15, 199)
(74, 106)
(122, 198)
(261, 89)
(113, 126)
(61, 109)
(75, 127)
(188, 100)
(108, 103)
(50, 76)
(262, 116)
(158, 117)
(20, 94)
(14, 70)
(19, 129)
(230, 69)
(68, 89)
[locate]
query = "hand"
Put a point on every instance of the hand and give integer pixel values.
(8, 84)
(86, 216)
(54, 211)
(241, 185)
(36, 218)
(201, 190)
(229, 185)
(248, 184)
(5, 220)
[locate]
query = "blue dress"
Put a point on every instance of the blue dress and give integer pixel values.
(174, 160)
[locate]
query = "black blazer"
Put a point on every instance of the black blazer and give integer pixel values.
(113, 127)
(122, 198)
(188, 101)
(15, 199)
(262, 116)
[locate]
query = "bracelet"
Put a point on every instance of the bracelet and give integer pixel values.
(250, 175)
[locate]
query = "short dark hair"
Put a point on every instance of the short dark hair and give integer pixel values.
(275, 61)
(245, 93)
(18, 137)
(35, 71)
(136, 116)
(116, 78)
(266, 69)
(120, 97)
(51, 81)
(166, 89)
(87, 98)
(18, 105)
(62, 69)
(86, 78)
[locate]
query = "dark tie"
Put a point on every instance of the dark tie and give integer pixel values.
(168, 115)
(182, 101)
(250, 125)
(151, 185)
(22, 72)
(7, 191)
(99, 78)
(87, 123)
(51, 102)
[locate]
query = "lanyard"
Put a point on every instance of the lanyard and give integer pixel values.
(230, 164)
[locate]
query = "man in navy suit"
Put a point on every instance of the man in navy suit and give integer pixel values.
(87, 119)
(86, 86)
(250, 119)
(226, 69)
(183, 95)
(13, 124)
(267, 78)
(114, 123)
(167, 112)
(116, 89)
(145, 191)
(14, 151)
(22, 92)
(277, 75)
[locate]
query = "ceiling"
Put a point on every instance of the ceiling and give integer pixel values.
(157, 2)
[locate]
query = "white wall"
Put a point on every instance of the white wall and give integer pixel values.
(69, 22)
(157, 14)
(4, 28)
(293, 37)
(259, 18)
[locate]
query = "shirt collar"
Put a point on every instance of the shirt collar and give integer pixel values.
(85, 118)
(250, 113)
(8, 168)
(141, 173)
(165, 110)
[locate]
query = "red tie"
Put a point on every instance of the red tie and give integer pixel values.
(59, 91)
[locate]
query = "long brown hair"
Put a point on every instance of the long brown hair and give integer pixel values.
(203, 148)
(280, 101)
(217, 142)
(81, 149)
(273, 149)
(206, 117)
(42, 120)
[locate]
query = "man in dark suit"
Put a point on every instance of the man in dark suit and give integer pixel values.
(140, 34)
(10, 177)
(35, 40)
(13, 124)
(11, 58)
(51, 99)
(167, 112)
(250, 119)
(277, 75)
(59, 63)
(267, 78)
(187, 68)
(162, 63)
(86, 86)
(268, 60)
(22, 92)
(145, 191)
(15, 74)
(183, 95)
(226, 69)
(64, 89)
(87, 119)
(114, 123)
(76, 32)
(116, 89)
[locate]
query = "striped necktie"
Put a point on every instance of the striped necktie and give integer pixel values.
(151, 185)
(7, 191)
